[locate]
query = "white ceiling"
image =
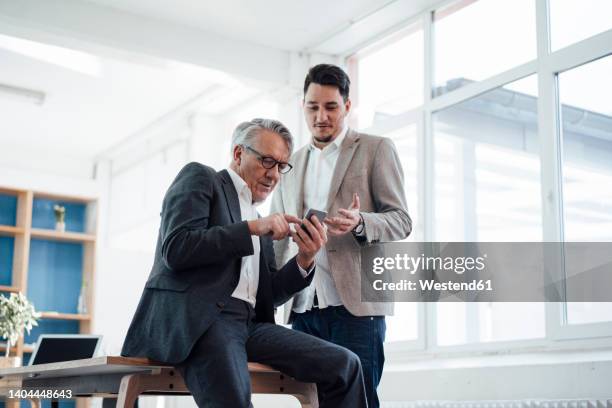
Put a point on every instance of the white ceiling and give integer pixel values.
(89, 109)
(86, 113)
(281, 24)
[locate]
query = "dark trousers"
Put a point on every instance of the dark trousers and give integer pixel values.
(363, 335)
(216, 371)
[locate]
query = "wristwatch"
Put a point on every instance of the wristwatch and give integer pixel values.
(359, 227)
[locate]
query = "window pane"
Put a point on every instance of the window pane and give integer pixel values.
(572, 20)
(461, 323)
(403, 325)
(588, 312)
(501, 35)
(487, 167)
(585, 95)
(487, 188)
(586, 111)
(387, 78)
(405, 140)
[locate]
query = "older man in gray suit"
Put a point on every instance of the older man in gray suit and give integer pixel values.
(358, 180)
(207, 306)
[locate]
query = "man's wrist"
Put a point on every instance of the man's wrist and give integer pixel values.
(360, 226)
(304, 262)
(252, 227)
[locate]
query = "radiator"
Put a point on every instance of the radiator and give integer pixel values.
(578, 403)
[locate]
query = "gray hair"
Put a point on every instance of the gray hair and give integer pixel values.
(245, 133)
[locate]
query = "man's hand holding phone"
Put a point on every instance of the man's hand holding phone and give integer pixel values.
(310, 237)
(275, 225)
(309, 234)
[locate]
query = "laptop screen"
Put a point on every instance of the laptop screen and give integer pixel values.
(56, 349)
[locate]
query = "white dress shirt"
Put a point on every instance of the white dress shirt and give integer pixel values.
(249, 268)
(317, 182)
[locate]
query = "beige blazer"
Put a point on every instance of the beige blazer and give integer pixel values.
(369, 166)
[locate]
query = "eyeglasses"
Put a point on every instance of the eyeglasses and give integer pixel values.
(270, 162)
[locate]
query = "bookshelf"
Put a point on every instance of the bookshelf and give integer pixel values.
(50, 267)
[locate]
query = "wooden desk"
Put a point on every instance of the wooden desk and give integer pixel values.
(126, 378)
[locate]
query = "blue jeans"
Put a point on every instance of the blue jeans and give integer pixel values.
(363, 335)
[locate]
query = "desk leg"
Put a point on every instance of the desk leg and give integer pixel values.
(308, 398)
(275, 383)
(168, 380)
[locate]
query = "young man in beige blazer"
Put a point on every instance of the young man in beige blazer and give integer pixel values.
(358, 180)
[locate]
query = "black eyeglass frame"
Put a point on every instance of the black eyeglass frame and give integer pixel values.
(268, 162)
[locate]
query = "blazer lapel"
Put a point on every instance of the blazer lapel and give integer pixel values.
(347, 149)
(300, 165)
(263, 262)
(231, 196)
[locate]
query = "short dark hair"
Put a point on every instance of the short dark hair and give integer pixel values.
(327, 74)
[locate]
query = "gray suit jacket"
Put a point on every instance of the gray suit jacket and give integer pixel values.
(369, 166)
(200, 246)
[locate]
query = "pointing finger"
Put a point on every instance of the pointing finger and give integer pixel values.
(292, 219)
(355, 203)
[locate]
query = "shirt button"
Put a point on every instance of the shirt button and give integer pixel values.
(221, 304)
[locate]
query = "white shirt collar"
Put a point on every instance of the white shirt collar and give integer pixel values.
(240, 185)
(337, 141)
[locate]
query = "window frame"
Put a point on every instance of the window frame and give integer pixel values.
(547, 66)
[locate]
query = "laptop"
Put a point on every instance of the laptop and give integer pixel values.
(53, 348)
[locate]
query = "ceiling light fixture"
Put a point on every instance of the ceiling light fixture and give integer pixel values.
(22, 94)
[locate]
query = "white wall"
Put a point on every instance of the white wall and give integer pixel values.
(513, 377)
(19, 159)
(120, 280)
(36, 171)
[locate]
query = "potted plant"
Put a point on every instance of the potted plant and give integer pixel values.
(16, 314)
(60, 215)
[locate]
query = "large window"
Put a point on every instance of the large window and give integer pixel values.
(498, 148)
(586, 113)
(487, 188)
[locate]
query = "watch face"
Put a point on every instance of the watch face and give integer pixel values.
(359, 228)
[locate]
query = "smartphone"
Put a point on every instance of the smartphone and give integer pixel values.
(320, 216)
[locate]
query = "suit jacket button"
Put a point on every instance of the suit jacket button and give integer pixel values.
(221, 304)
